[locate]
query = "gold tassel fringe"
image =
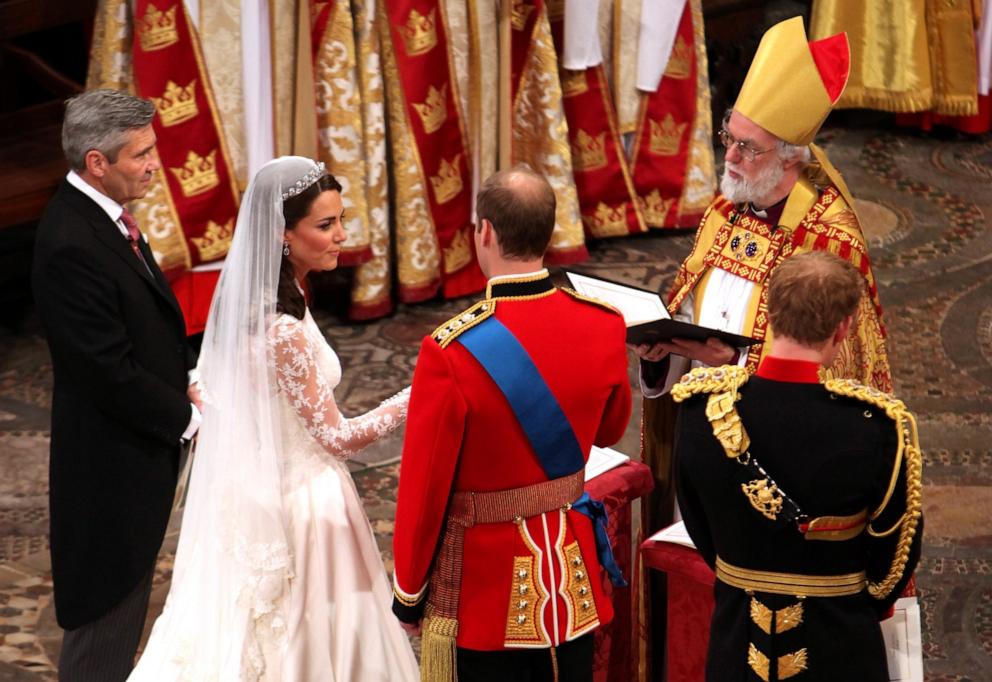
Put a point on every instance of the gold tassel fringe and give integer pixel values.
(437, 650)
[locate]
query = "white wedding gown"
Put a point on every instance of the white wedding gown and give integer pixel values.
(338, 622)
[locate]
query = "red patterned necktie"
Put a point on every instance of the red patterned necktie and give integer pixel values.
(133, 235)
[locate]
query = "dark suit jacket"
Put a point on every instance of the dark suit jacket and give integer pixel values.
(119, 406)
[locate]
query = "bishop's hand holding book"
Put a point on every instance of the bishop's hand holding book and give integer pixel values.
(649, 324)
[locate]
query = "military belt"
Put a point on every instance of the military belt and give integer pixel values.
(790, 583)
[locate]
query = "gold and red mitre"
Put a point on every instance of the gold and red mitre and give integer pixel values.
(793, 84)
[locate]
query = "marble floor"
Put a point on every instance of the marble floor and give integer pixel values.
(925, 203)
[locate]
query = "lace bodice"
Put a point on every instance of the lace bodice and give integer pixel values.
(307, 371)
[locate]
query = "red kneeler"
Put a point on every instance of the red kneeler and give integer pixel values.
(690, 606)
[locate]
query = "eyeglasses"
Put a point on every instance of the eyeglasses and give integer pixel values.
(745, 148)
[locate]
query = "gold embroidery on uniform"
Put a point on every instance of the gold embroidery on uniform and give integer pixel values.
(790, 583)
(579, 591)
(836, 528)
(789, 617)
(462, 322)
(758, 662)
(792, 664)
(764, 496)
(522, 613)
(761, 615)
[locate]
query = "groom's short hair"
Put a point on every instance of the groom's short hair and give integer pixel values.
(520, 204)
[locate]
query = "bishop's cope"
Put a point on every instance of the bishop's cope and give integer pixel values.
(497, 548)
(779, 196)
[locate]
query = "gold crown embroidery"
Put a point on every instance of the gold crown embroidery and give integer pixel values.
(666, 136)
(198, 174)
(177, 104)
(433, 110)
(448, 182)
(419, 33)
(588, 152)
(216, 240)
(680, 61)
(157, 29)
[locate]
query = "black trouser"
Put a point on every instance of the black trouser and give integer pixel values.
(570, 662)
(103, 651)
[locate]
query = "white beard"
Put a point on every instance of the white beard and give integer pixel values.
(742, 190)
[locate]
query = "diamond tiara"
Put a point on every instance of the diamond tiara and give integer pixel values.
(313, 176)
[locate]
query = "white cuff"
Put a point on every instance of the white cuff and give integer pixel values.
(194, 376)
(195, 419)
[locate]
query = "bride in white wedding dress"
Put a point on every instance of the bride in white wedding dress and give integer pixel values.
(277, 573)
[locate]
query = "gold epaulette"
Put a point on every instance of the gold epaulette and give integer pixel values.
(710, 380)
(722, 384)
(589, 299)
(908, 451)
(463, 321)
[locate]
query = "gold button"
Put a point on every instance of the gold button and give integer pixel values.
(579, 575)
(522, 604)
(522, 573)
(577, 561)
(586, 605)
(521, 619)
(583, 590)
(522, 589)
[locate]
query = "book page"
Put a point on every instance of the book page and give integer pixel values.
(636, 306)
(602, 460)
(903, 642)
(676, 534)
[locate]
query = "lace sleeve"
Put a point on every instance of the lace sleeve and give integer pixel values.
(299, 378)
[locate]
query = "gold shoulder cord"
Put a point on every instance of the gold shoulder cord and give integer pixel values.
(463, 321)
(908, 448)
(590, 299)
(722, 383)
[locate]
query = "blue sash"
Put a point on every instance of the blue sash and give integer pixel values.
(537, 410)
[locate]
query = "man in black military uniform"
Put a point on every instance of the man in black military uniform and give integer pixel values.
(803, 496)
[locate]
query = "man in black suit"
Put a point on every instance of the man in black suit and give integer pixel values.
(804, 497)
(123, 401)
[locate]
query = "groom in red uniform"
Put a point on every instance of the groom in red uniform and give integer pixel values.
(496, 546)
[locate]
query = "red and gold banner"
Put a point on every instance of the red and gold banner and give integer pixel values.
(607, 200)
(420, 46)
(168, 69)
(660, 155)
(320, 14)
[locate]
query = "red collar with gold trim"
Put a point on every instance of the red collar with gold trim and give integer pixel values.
(787, 370)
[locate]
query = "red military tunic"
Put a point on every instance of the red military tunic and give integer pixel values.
(537, 583)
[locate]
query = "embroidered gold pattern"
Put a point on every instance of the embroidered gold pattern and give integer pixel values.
(177, 104)
(198, 174)
(157, 29)
(764, 496)
(459, 251)
(447, 183)
(216, 240)
(590, 299)
(758, 662)
(462, 322)
(761, 616)
(433, 111)
(588, 151)
(608, 221)
(779, 621)
(792, 664)
(581, 602)
(666, 136)
(655, 208)
(419, 33)
(680, 61)
(836, 528)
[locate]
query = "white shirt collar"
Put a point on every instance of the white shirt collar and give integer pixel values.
(497, 278)
(109, 206)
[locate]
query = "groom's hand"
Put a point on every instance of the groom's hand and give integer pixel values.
(411, 629)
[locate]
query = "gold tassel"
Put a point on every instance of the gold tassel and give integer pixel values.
(437, 650)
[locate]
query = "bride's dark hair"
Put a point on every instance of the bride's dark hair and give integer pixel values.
(289, 300)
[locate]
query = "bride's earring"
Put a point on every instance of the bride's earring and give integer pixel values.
(285, 248)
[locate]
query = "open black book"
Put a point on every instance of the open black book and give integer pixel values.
(645, 313)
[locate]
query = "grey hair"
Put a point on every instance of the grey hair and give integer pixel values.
(100, 120)
(788, 152)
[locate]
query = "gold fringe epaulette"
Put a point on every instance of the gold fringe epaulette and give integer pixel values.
(908, 451)
(722, 384)
(589, 299)
(710, 380)
(463, 321)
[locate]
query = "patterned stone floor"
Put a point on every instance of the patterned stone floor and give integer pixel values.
(926, 203)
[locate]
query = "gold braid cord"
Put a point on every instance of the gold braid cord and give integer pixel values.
(722, 383)
(908, 449)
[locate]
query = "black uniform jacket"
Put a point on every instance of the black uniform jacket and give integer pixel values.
(119, 407)
(834, 456)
